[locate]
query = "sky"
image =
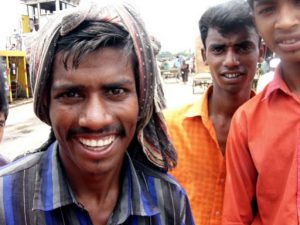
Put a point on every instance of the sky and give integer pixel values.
(174, 23)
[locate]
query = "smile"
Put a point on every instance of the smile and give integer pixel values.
(231, 75)
(97, 143)
(289, 44)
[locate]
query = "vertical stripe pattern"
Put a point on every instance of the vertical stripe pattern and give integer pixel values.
(148, 197)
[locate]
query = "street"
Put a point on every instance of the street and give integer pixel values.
(25, 132)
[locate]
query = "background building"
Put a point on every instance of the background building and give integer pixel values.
(20, 20)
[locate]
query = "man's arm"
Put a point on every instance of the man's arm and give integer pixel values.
(241, 175)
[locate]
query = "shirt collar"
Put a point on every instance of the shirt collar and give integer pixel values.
(51, 186)
(200, 107)
(52, 189)
(135, 196)
(277, 84)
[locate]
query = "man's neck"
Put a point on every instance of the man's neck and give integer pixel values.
(291, 76)
(225, 103)
(221, 107)
(96, 194)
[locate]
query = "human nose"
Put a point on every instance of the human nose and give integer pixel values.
(231, 59)
(286, 17)
(95, 114)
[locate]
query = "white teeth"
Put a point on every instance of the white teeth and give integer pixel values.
(291, 41)
(234, 75)
(97, 143)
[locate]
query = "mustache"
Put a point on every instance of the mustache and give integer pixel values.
(119, 129)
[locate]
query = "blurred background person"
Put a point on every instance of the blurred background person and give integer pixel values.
(184, 71)
(3, 109)
(267, 77)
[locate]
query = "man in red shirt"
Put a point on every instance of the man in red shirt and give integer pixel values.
(263, 146)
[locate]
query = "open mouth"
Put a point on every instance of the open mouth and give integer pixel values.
(231, 75)
(97, 143)
(289, 44)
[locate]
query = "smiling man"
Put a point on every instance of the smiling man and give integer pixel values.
(108, 154)
(263, 150)
(199, 131)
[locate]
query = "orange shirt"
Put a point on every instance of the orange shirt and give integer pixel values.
(261, 159)
(201, 164)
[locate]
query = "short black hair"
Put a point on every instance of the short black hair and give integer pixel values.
(227, 17)
(90, 36)
(3, 93)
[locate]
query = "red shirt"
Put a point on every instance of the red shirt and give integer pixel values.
(261, 159)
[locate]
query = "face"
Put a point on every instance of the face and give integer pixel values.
(2, 125)
(278, 22)
(232, 59)
(94, 110)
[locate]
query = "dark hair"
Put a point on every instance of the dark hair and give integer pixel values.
(251, 3)
(90, 36)
(3, 93)
(227, 17)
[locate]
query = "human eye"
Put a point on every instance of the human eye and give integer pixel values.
(245, 48)
(217, 49)
(69, 94)
(265, 8)
(116, 92)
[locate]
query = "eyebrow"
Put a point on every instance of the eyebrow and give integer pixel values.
(246, 42)
(120, 83)
(216, 45)
(260, 2)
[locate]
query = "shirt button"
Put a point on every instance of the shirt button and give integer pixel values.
(218, 213)
(222, 181)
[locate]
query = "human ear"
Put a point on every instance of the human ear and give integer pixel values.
(203, 54)
(262, 52)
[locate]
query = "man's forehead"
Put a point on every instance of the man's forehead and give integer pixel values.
(238, 34)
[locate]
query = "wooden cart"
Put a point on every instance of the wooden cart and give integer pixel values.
(200, 82)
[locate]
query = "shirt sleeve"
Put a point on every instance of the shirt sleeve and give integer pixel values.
(241, 175)
(186, 212)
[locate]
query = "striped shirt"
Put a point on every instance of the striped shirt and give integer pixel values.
(34, 191)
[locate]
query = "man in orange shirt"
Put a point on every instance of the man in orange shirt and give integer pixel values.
(232, 49)
(263, 147)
